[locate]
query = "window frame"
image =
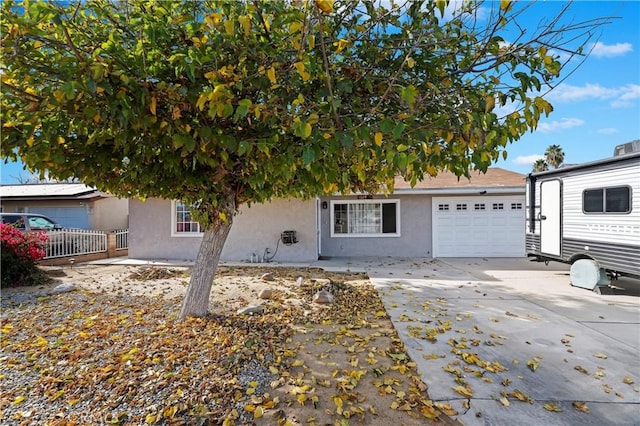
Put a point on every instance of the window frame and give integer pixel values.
(396, 234)
(174, 223)
(604, 200)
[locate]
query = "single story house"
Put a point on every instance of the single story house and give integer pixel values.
(439, 217)
(72, 205)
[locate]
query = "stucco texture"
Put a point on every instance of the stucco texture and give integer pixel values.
(254, 229)
(414, 238)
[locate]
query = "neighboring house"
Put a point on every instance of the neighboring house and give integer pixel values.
(439, 217)
(72, 205)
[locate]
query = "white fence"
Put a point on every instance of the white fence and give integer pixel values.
(122, 239)
(72, 242)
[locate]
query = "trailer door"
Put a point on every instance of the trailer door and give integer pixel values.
(550, 217)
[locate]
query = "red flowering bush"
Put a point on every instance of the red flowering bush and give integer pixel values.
(20, 252)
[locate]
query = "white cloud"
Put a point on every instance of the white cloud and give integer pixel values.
(619, 97)
(601, 50)
(628, 97)
(565, 123)
(608, 131)
(527, 160)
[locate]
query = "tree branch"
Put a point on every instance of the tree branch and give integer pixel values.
(327, 76)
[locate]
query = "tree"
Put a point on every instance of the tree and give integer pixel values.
(540, 166)
(554, 156)
(220, 103)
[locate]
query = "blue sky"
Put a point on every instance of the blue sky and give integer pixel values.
(596, 108)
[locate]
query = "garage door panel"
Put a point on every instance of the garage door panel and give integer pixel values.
(495, 231)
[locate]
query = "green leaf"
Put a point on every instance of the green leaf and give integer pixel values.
(402, 148)
(397, 131)
(243, 147)
(308, 155)
(386, 126)
(408, 94)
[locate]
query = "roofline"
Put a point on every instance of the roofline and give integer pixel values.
(611, 160)
(84, 196)
(479, 190)
(462, 191)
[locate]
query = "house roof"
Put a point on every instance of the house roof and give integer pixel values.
(495, 178)
(67, 191)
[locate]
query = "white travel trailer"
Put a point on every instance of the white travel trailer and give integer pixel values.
(588, 215)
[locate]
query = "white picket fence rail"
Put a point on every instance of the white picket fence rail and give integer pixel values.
(73, 242)
(122, 239)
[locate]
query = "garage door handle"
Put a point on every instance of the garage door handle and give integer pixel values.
(542, 217)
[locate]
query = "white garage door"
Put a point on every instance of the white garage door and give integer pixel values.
(478, 226)
(68, 217)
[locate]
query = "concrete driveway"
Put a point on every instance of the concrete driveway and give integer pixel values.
(504, 341)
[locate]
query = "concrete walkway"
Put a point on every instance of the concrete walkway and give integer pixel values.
(475, 324)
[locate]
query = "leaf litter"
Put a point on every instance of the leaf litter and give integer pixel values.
(114, 356)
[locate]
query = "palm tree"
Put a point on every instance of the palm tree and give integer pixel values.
(540, 166)
(554, 156)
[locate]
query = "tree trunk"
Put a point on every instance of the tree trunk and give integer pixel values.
(196, 301)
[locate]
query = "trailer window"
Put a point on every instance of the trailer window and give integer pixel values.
(607, 200)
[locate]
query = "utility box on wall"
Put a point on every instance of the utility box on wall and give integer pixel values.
(288, 237)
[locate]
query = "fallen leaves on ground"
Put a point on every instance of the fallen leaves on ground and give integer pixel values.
(89, 358)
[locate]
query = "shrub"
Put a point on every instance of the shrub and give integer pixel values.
(20, 253)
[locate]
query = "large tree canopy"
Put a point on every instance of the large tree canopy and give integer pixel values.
(219, 103)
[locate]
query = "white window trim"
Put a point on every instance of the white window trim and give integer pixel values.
(174, 233)
(375, 201)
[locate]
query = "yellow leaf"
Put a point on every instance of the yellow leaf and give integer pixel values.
(505, 5)
(245, 21)
(378, 138)
(394, 405)
(229, 27)
(271, 74)
(411, 62)
(302, 71)
(214, 18)
(341, 44)
(552, 407)
(18, 399)
(294, 27)
(490, 103)
(581, 406)
(600, 355)
(298, 363)
(337, 401)
(150, 418)
(325, 5)
(152, 106)
(504, 401)
(628, 380)
(273, 370)
(267, 23)
(464, 391)
(381, 314)
(259, 412)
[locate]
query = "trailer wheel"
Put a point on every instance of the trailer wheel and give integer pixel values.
(586, 273)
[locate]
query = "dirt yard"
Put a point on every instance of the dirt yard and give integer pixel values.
(296, 362)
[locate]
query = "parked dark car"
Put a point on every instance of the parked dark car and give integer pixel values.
(30, 222)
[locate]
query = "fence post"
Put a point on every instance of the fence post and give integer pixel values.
(111, 245)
